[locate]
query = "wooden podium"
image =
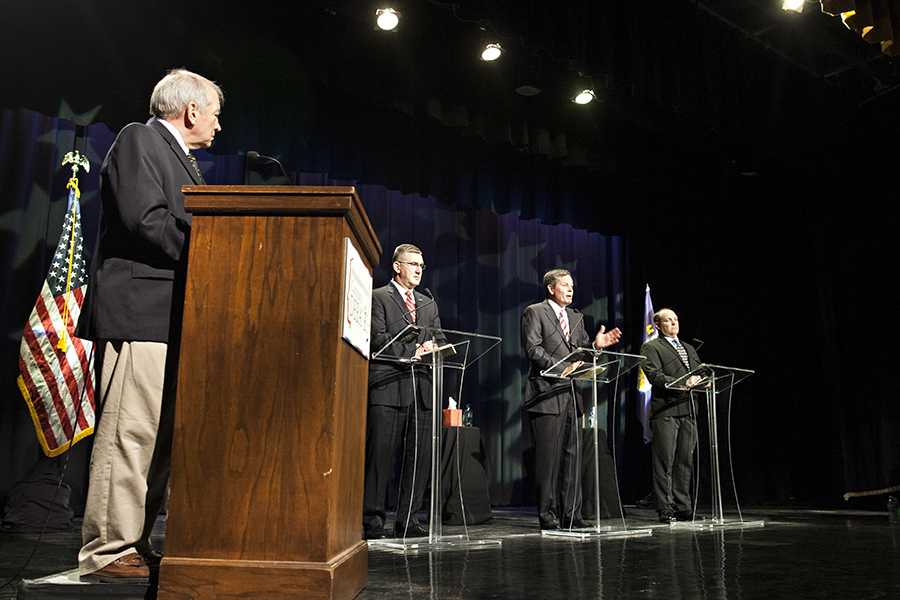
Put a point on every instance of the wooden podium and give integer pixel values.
(267, 466)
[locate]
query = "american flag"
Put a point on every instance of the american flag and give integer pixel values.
(644, 387)
(56, 370)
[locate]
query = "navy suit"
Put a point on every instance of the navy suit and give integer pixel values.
(133, 307)
(555, 410)
(143, 238)
(672, 424)
(399, 407)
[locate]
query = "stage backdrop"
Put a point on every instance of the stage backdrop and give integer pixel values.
(483, 268)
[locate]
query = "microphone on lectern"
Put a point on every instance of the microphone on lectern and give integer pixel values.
(411, 331)
(255, 156)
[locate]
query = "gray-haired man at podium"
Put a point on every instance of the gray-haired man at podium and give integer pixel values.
(130, 311)
(672, 421)
(550, 332)
(400, 402)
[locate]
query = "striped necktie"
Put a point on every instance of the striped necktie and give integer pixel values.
(410, 305)
(563, 323)
(682, 353)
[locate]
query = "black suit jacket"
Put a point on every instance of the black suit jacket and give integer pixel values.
(143, 239)
(545, 345)
(662, 365)
(390, 381)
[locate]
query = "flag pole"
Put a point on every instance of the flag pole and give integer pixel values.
(76, 160)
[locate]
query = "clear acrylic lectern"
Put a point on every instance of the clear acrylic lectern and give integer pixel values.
(596, 367)
(713, 380)
(454, 350)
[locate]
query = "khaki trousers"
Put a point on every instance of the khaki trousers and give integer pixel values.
(132, 452)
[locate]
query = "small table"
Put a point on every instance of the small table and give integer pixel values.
(463, 478)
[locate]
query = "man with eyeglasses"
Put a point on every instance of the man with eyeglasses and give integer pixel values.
(550, 332)
(400, 402)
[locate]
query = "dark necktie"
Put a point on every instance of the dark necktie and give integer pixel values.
(195, 165)
(682, 353)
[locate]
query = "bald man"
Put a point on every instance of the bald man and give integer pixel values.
(672, 417)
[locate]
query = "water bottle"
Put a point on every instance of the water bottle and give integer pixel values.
(467, 416)
(591, 419)
(893, 511)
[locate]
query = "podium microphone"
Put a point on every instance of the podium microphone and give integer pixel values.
(580, 321)
(257, 157)
(408, 334)
(562, 338)
(698, 342)
(411, 331)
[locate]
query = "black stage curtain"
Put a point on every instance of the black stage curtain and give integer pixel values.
(483, 268)
(804, 275)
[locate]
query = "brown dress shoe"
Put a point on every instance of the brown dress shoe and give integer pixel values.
(130, 568)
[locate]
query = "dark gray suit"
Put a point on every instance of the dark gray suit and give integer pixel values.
(672, 423)
(398, 409)
(554, 410)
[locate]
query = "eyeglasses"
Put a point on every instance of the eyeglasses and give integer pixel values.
(412, 265)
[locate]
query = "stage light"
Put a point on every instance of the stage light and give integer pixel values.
(387, 18)
(491, 52)
(584, 97)
(528, 90)
(794, 5)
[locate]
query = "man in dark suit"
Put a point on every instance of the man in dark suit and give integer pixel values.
(672, 422)
(133, 312)
(400, 397)
(550, 332)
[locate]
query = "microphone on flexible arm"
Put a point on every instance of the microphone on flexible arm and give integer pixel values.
(411, 331)
(580, 321)
(572, 328)
(699, 343)
(430, 295)
(256, 157)
(577, 323)
(697, 371)
(433, 300)
(581, 356)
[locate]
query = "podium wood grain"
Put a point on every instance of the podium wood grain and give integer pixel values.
(267, 470)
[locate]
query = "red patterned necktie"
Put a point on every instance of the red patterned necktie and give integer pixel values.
(410, 305)
(562, 323)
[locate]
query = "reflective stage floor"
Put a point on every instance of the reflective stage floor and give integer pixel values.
(796, 554)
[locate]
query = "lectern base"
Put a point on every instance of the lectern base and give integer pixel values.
(341, 579)
(717, 524)
(447, 542)
(593, 532)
